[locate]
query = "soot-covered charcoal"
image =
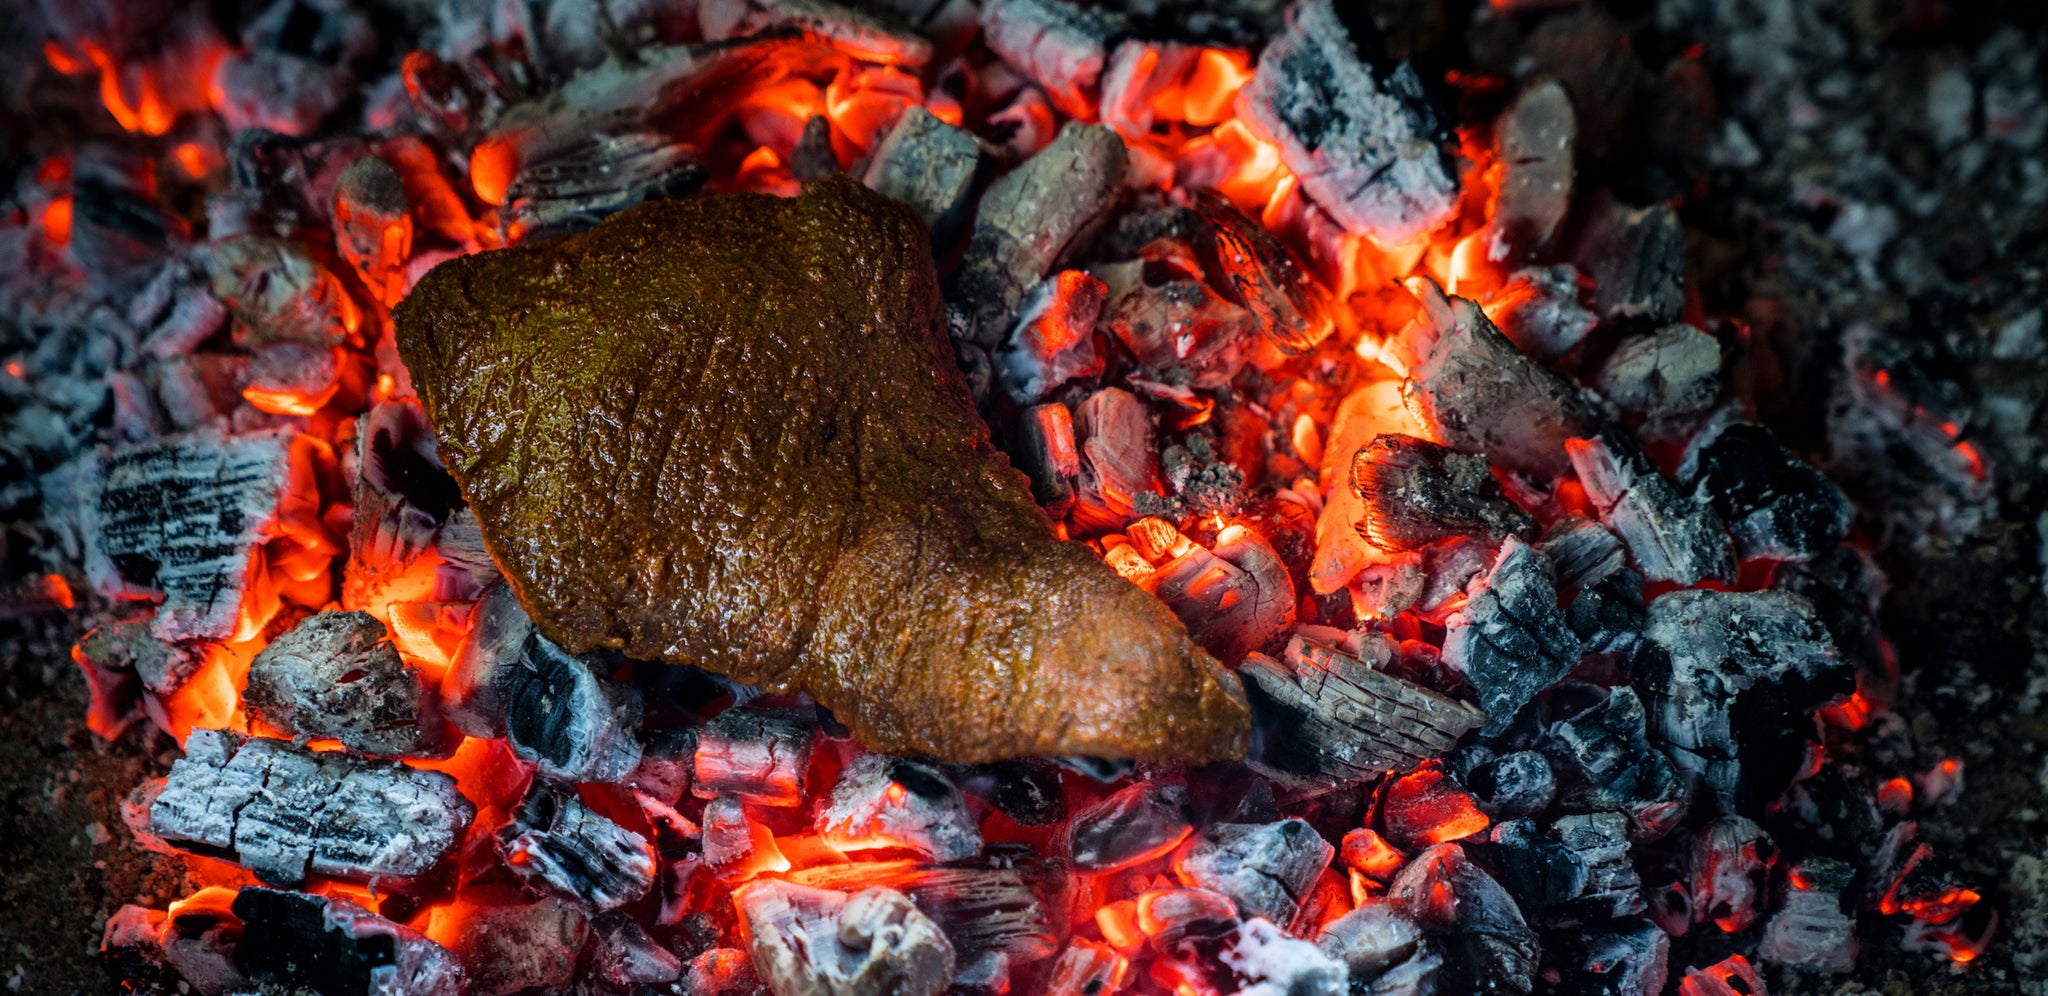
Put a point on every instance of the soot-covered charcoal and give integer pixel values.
(1267, 869)
(901, 802)
(558, 845)
(1730, 864)
(1364, 144)
(285, 813)
(279, 292)
(931, 166)
(1512, 785)
(1811, 929)
(1777, 506)
(1025, 220)
(1257, 272)
(1054, 341)
(1267, 961)
(1535, 137)
(1675, 370)
(561, 715)
(574, 189)
(759, 755)
(1605, 762)
(1426, 806)
(475, 689)
(1733, 693)
(1384, 950)
(330, 945)
(1235, 598)
(1624, 958)
(1635, 258)
(1417, 492)
(1481, 394)
(337, 675)
(1058, 44)
(1487, 946)
(179, 520)
(1087, 968)
(1671, 537)
(513, 947)
(849, 28)
(1140, 822)
(627, 956)
(1026, 790)
(402, 499)
(1581, 551)
(1539, 311)
(1577, 867)
(1325, 719)
(816, 942)
(1511, 640)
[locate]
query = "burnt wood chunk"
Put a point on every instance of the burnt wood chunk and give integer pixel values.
(1363, 145)
(683, 446)
(402, 499)
(575, 188)
(897, 801)
(1730, 865)
(759, 755)
(1058, 44)
(990, 905)
(1670, 537)
(1535, 138)
(853, 30)
(816, 942)
(1636, 259)
(1512, 785)
(1257, 272)
(337, 675)
(330, 945)
(1581, 551)
(561, 715)
(1777, 506)
(522, 946)
(1417, 492)
(1511, 639)
(1384, 950)
(1487, 946)
(1088, 968)
(1539, 311)
(1327, 719)
(1675, 370)
(627, 956)
(475, 690)
(931, 166)
(560, 846)
(1578, 867)
(1811, 930)
(286, 813)
(1605, 762)
(1625, 958)
(1137, 824)
(1267, 869)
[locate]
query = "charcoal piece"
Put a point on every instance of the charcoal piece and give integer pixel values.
(1487, 946)
(1087, 968)
(279, 292)
(1119, 458)
(851, 29)
(373, 226)
(1579, 866)
(1448, 569)
(1777, 506)
(1048, 454)
(1234, 599)
(759, 755)
(1635, 258)
(1675, 370)
(403, 499)
(1733, 691)
(1671, 537)
(1264, 958)
(1608, 615)
(1267, 869)
(734, 842)
(573, 189)
(337, 675)
(815, 942)
(200, 940)
(1511, 640)
(132, 951)
(1174, 323)
(487, 664)
(1364, 145)
(1057, 44)
(1417, 492)
(1054, 340)
(1026, 219)
(1626, 958)
(560, 715)
(1138, 823)
(1534, 137)
(1731, 976)
(1326, 719)
(557, 845)
(991, 905)
(1027, 791)
(1605, 762)
(1171, 918)
(1481, 394)
(1811, 929)
(126, 647)
(1512, 785)
(899, 802)
(1426, 806)
(1257, 272)
(1845, 586)
(285, 813)
(1730, 864)
(931, 166)
(1582, 551)
(511, 948)
(1538, 310)
(627, 957)
(332, 946)
(722, 972)
(179, 520)
(1384, 950)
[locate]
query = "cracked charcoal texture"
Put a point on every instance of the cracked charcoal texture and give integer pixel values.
(752, 454)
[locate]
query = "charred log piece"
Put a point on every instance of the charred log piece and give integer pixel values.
(1235, 599)
(1057, 44)
(1267, 869)
(560, 846)
(931, 166)
(1511, 785)
(627, 957)
(563, 716)
(1535, 138)
(373, 226)
(1730, 864)
(402, 496)
(1054, 340)
(1138, 823)
(1327, 719)
(1481, 394)
(330, 945)
(1539, 311)
(1732, 693)
(1417, 492)
(815, 942)
(1732, 976)
(1365, 146)
(758, 755)
(1384, 950)
(1026, 220)
(1608, 615)
(575, 188)
(473, 694)
(901, 802)
(1267, 961)
(1671, 537)
(1812, 930)
(1675, 370)
(1777, 506)
(1511, 641)
(1581, 551)
(515, 947)
(1605, 762)
(1577, 868)
(1626, 958)
(1256, 271)
(1165, 311)
(1119, 460)
(1487, 946)
(1087, 968)
(337, 675)
(278, 292)
(990, 906)
(1635, 258)
(856, 32)
(1049, 455)
(285, 813)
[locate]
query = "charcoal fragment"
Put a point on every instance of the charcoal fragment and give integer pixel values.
(1675, 370)
(558, 845)
(1670, 537)
(1171, 918)
(573, 189)
(1267, 869)
(990, 904)
(902, 802)
(1417, 492)
(1577, 867)
(931, 166)
(815, 942)
(1539, 311)
(1625, 958)
(1138, 823)
(1636, 259)
(1326, 719)
(1535, 138)
(1265, 959)
(1811, 929)
(480, 679)
(1608, 615)
(1511, 641)
(337, 675)
(1487, 946)
(626, 956)
(1730, 862)
(1777, 506)
(334, 947)
(1512, 785)
(1384, 951)
(1087, 968)
(511, 947)
(1604, 761)
(759, 755)
(1057, 44)
(562, 716)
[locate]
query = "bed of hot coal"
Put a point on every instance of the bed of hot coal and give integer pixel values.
(1553, 650)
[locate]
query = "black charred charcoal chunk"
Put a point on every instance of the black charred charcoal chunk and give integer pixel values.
(1582, 551)
(1777, 506)
(1417, 492)
(1671, 537)
(1140, 822)
(336, 948)
(561, 714)
(1624, 958)
(1267, 869)
(1608, 615)
(1578, 866)
(1487, 946)
(1511, 641)
(559, 845)
(1605, 762)
(1027, 790)
(1512, 785)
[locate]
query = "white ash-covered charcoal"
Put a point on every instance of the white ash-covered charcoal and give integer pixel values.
(1675, 370)
(1048, 455)
(759, 755)
(132, 950)
(1365, 146)
(1138, 823)
(198, 390)
(336, 675)
(1054, 340)
(1733, 692)
(852, 30)
(1326, 719)
(1481, 394)
(816, 942)
(402, 495)
(286, 813)
(120, 233)
(1777, 506)
(1088, 968)
(1539, 311)
(1730, 864)
(177, 311)
(291, 378)
(560, 846)
(902, 802)
(1256, 271)
(1635, 258)
(1119, 458)
(199, 942)
(1811, 929)
(732, 839)
(180, 519)
(330, 945)
(1026, 220)
(1486, 945)
(626, 956)
(668, 760)
(1384, 951)
(1670, 537)
(1170, 918)
(127, 647)
(293, 67)
(722, 972)
(1624, 958)
(563, 716)
(988, 905)
(1138, 74)
(1577, 867)
(1511, 640)
(1057, 44)
(931, 166)
(373, 226)
(1511, 785)
(466, 570)
(1605, 762)
(1581, 551)
(279, 292)
(1267, 961)
(515, 947)
(474, 691)
(573, 189)
(1534, 138)
(1417, 492)
(1235, 599)
(1267, 869)
(1448, 569)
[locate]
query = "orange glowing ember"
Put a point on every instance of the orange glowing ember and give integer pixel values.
(57, 220)
(492, 168)
(1212, 86)
(147, 112)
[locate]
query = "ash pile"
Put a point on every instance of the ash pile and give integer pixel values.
(1566, 671)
